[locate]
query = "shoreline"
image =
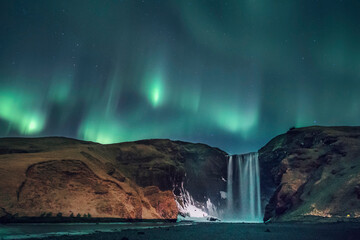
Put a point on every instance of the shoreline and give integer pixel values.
(8, 220)
(207, 231)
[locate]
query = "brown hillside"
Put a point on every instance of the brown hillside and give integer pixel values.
(311, 173)
(134, 180)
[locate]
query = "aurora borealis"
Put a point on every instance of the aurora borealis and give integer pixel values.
(231, 74)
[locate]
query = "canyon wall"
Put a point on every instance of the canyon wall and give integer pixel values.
(307, 174)
(311, 174)
(150, 179)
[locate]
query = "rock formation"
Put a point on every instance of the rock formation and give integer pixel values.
(312, 173)
(133, 180)
(307, 174)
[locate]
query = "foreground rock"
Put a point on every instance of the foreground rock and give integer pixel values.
(312, 174)
(150, 179)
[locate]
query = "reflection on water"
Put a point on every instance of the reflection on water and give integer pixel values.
(28, 230)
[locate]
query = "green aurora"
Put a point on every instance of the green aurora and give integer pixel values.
(232, 74)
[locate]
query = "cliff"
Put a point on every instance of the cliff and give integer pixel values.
(311, 174)
(150, 179)
(307, 174)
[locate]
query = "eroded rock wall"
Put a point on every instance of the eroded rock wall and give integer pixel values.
(134, 180)
(312, 173)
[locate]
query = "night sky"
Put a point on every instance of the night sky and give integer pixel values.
(231, 74)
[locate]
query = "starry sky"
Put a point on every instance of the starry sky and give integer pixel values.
(231, 74)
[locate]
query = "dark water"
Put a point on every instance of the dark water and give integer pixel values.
(40, 230)
(175, 231)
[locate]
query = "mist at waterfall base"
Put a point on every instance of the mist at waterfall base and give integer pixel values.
(243, 189)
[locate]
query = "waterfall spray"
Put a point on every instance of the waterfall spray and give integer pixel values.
(230, 186)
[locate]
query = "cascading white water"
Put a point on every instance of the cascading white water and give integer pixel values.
(243, 171)
(230, 186)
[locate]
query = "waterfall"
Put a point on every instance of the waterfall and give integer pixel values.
(243, 178)
(230, 186)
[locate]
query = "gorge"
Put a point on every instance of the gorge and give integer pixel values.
(306, 174)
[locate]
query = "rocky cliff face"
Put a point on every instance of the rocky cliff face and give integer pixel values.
(306, 174)
(150, 179)
(312, 173)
